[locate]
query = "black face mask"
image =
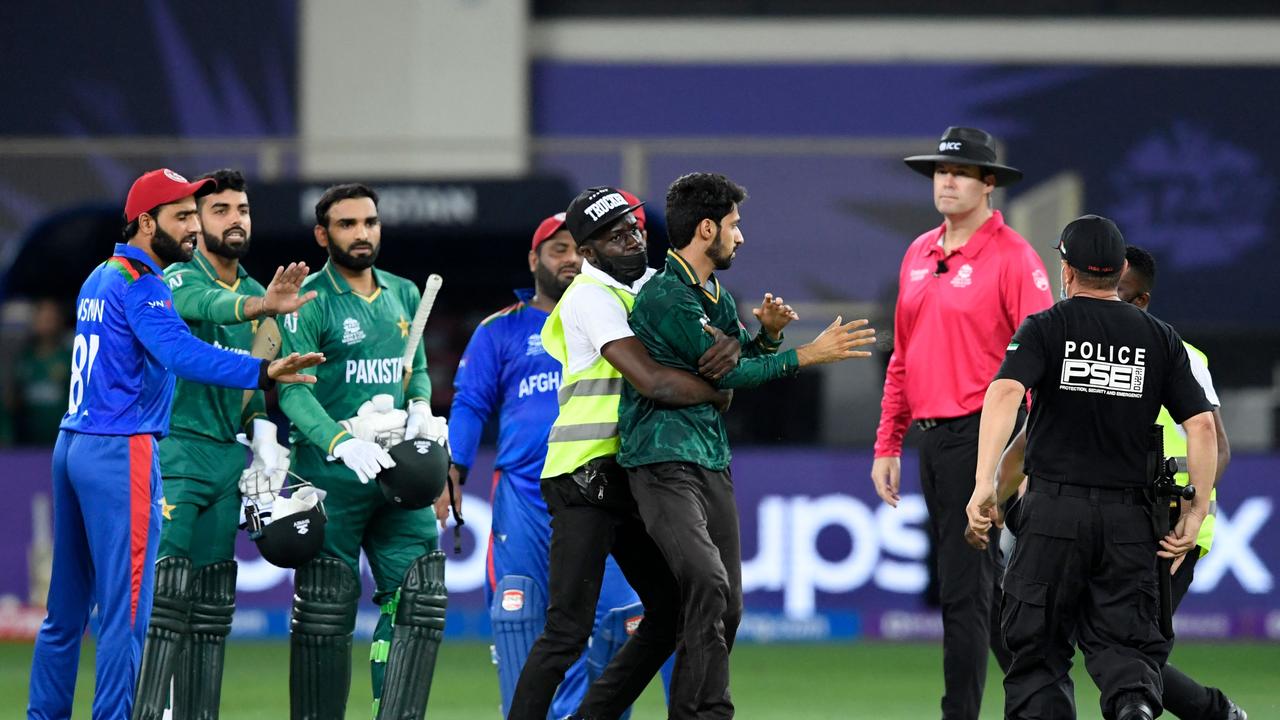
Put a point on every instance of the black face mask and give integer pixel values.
(626, 269)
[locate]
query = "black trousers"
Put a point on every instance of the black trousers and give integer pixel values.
(691, 514)
(968, 580)
(582, 535)
(1083, 572)
(1184, 697)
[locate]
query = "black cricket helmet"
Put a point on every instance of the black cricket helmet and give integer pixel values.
(294, 533)
(422, 468)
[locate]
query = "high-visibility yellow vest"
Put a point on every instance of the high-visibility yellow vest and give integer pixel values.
(1175, 445)
(587, 426)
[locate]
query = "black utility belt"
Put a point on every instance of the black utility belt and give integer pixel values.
(1126, 496)
(603, 483)
(927, 424)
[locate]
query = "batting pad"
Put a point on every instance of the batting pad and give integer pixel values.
(517, 614)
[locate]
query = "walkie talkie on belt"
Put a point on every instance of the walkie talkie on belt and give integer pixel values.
(1165, 492)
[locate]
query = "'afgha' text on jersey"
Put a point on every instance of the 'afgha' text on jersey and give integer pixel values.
(1108, 369)
(541, 382)
(375, 371)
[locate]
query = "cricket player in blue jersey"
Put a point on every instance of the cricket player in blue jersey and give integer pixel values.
(505, 368)
(128, 346)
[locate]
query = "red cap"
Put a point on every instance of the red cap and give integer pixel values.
(547, 228)
(638, 212)
(160, 187)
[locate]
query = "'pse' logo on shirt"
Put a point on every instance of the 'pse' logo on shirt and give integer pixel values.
(1105, 369)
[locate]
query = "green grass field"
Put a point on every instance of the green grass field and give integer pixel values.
(807, 682)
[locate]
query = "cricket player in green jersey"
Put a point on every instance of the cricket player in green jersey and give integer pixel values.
(201, 461)
(362, 316)
(677, 458)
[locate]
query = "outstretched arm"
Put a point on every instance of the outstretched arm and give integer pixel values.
(661, 384)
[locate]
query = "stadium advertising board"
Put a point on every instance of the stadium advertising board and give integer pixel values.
(823, 558)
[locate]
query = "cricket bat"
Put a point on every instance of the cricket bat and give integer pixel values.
(429, 291)
(266, 346)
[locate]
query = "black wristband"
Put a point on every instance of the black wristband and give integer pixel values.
(462, 473)
(264, 380)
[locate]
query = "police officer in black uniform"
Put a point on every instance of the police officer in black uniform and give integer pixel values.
(1085, 566)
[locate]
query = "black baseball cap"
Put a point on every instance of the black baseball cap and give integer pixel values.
(1093, 244)
(596, 208)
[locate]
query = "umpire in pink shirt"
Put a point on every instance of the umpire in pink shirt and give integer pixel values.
(963, 288)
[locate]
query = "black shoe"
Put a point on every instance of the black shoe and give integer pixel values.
(1234, 712)
(1135, 711)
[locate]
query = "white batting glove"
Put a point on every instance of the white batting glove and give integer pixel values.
(274, 456)
(364, 458)
(422, 424)
(377, 420)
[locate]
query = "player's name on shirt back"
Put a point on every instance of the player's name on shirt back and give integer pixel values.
(91, 310)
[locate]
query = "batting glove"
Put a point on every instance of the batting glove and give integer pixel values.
(377, 420)
(422, 424)
(365, 459)
(273, 457)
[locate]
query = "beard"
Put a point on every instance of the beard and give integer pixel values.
(222, 247)
(169, 250)
(351, 262)
(550, 281)
(721, 253)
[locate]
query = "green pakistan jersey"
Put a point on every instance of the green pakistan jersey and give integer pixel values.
(214, 311)
(363, 340)
(668, 318)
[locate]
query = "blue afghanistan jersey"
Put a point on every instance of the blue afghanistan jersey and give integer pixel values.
(129, 343)
(505, 367)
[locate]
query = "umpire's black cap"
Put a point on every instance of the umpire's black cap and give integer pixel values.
(966, 146)
(1093, 244)
(594, 209)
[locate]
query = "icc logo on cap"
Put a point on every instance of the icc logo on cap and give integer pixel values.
(948, 145)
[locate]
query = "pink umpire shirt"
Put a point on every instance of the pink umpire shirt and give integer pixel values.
(951, 329)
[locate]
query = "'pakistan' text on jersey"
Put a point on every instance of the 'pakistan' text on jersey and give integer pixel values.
(128, 346)
(363, 340)
(506, 368)
(214, 311)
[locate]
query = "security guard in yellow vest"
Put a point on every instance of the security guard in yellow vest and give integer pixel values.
(592, 511)
(1184, 697)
